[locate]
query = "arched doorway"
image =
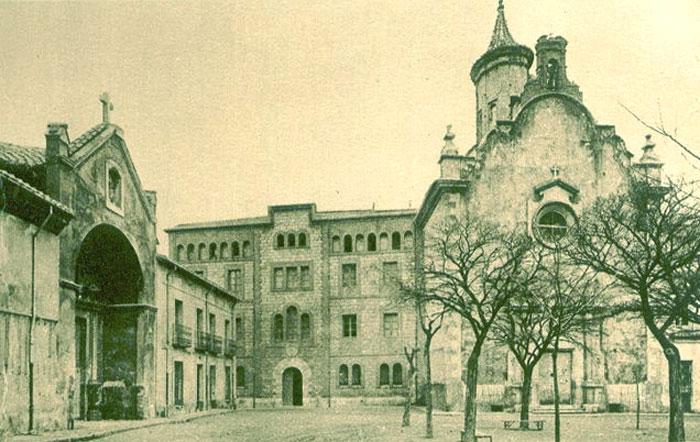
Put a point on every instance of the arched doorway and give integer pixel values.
(292, 387)
(108, 269)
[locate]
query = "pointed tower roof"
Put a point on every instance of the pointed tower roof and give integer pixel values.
(502, 49)
(501, 35)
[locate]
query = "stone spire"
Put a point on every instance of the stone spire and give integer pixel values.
(501, 35)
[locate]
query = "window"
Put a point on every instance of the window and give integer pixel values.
(223, 250)
(278, 328)
(292, 323)
(347, 244)
(235, 281)
(227, 330)
(335, 244)
(278, 276)
(292, 278)
(356, 375)
(235, 249)
(229, 390)
(492, 111)
(343, 375)
(390, 273)
(240, 376)
(190, 252)
(391, 324)
(280, 240)
(212, 252)
(180, 252)
(371, 242)
(212, 323)
(305, 321)
(305, 277)
(246, 249)
(239, 329)
(397, 374)
(384, 375)
(349, 326)
(360, 243)
(179, 383)
(383, 242)
(178, 312)
(202, 250)
(200, 320)
(349, 275)
(212, 383)
(396, 241)
(408, 239)
(291, 240)
(114, 188)
(302, 239)
(552, 223)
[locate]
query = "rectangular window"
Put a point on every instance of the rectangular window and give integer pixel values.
(179, 383)
(212, 323)
(349, 326)
(349, 275)
(239, 329)
(292, 278)
(279, 278)
(305, 277)
(229, 391)
(391, 324)
(200, 320)
(235, 281)
(390, 273)
(227, 329)
(178, 312)
(212, 383)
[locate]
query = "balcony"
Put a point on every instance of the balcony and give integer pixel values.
(215, 344)
(230, 348)
(182, 336)
(203, 341)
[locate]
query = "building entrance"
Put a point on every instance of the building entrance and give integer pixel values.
(292, 387)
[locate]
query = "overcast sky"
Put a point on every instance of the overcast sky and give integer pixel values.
(230, 107)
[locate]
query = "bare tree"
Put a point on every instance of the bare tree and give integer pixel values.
(410, 353)
(648, 240)
(470, 268)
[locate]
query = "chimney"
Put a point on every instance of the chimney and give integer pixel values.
(56, 148)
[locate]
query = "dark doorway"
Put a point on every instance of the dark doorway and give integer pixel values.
(81, 363)
(200, 380)
(292, 387)
(687, 385)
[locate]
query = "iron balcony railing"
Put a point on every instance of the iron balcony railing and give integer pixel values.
(230, 348)
(215, 344)
(182, 336)
(203, 341)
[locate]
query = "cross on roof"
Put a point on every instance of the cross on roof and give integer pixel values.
(106, 106)
(555, 171)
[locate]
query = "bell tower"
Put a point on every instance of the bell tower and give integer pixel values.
(499, 76)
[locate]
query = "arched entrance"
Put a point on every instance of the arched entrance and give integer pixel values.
(292, 387)
(107, 313)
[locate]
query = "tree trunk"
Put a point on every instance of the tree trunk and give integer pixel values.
(676, 430)
(525, 398)
(428, 391)
(470, 395)
(555, 377)
(636, 383)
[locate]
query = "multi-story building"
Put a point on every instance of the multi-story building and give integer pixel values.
(318, 321)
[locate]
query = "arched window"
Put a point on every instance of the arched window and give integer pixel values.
(180, 252)
(383, 242)
(235, 249)
(302, 239)
(280, 240)
(202, 251)
(335, 244)
(384, 375)
(291, 240)
(360, 243)
(347, 244)
(305, 321)
(396, 241)
(240, 376)
(292, 323)
(114, 188)
(246, 249)
(397, 375)
(371, 242)
(190, 252)
(343, 375)
(278, 328)
(356, 375)
(212, 252)
(223, 250)
(408, 239)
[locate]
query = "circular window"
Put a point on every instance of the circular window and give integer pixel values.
(553, 222)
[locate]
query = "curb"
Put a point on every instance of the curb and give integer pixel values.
(105, 433)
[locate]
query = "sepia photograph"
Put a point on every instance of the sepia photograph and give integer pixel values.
(350, 220)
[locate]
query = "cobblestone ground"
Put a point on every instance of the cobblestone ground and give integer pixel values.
(384, 424)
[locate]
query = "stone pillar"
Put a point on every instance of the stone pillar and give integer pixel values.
(145, 356)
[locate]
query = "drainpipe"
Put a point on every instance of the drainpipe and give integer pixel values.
(33, 320)
(168, 378)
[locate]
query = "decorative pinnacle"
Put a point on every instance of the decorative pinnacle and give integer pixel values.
(649, 144)
(501, 35)
(449, 136)
(449, 148)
